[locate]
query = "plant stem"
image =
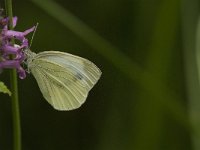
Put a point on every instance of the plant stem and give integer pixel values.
(14, 89)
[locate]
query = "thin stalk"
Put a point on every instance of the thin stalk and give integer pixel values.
(14, 89)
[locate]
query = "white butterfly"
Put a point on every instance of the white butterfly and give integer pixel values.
(64, 79)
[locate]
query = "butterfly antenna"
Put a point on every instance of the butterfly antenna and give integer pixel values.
(33, 34)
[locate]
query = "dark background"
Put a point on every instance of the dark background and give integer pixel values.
(147, 97)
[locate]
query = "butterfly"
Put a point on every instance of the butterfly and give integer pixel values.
(64, 79)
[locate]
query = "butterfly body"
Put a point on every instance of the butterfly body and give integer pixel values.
(64, 79)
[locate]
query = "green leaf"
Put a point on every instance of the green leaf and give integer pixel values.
(4, 89)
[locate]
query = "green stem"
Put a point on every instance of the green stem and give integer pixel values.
(14, 89)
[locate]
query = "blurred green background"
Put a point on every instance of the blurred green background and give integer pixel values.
(149, 92)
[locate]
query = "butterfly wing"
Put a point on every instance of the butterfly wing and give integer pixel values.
(64, 79)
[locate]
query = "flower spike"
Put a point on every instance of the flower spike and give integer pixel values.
(7, 49)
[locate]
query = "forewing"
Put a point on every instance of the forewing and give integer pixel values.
(64, 79)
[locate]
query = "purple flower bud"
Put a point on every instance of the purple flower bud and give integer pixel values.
(16, 34)
(13, 64)
(8, 49)
(4, 22)
(14, 21)
(21, 72)
(10, 64)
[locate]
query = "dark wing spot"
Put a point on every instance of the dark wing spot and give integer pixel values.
(79, 76)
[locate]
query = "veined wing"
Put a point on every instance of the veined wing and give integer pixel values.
(64, 79)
